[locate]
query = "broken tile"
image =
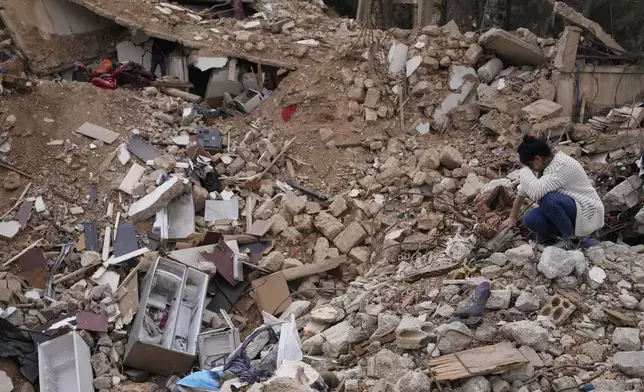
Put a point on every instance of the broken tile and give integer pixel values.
(33, 267)
(91, 321)
(24, 213)
(259, 228)
(222, 258)
(126, 240)
(142, 150)
(132, 178)
(96, 132)
(92, 241)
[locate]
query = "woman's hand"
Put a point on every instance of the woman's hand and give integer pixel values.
(508, 223)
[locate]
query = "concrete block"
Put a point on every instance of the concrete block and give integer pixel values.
(474, 53)
(329, 226)
(541, 110)
(410, 334)
(372, 98)
(510, 48)
(559, 308)
(351, 236)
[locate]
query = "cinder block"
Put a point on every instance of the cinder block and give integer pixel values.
(559, 308)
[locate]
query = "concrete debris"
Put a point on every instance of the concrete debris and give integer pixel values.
(511, 49)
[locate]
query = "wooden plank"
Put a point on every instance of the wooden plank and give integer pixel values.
(485, 360)
(132, 178)
(430, 271)
(490, 358)
(96, 132)
(312, 269)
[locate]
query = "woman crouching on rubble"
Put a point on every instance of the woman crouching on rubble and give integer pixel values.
(568, 204)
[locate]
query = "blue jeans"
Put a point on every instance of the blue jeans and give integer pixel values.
(554, 218)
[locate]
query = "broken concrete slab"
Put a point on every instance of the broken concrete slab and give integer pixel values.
(153, 202)
(568, 14)
(510, 48)
(552, 128)
(624, 195)
(567, 49)
(611, 142)
(541, 110)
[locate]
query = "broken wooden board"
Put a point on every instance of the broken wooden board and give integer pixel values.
(619, 318)
(96, 132)
(482, 361)
(271, 293)
(429, 272)
(313, 269)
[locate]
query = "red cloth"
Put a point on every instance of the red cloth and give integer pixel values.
(288, 112)
(104, 83)
(104, 67)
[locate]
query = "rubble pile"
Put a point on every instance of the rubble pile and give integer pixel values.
(398, 282)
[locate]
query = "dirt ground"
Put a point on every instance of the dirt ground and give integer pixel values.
(69, 106)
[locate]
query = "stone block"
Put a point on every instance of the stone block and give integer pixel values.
(410, 334)
(329, 226)
(351, 236)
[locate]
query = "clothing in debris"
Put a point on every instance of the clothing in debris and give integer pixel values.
(239, 364)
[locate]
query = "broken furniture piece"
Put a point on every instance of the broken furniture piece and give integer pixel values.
(216, 345)
(164, 335)
(493, 359)
(64, 365)
(247, 101)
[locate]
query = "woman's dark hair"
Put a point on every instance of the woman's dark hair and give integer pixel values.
(531, 148)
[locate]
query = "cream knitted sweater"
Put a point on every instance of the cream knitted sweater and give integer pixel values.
(566, 176)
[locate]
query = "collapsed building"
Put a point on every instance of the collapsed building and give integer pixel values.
(351, 211)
